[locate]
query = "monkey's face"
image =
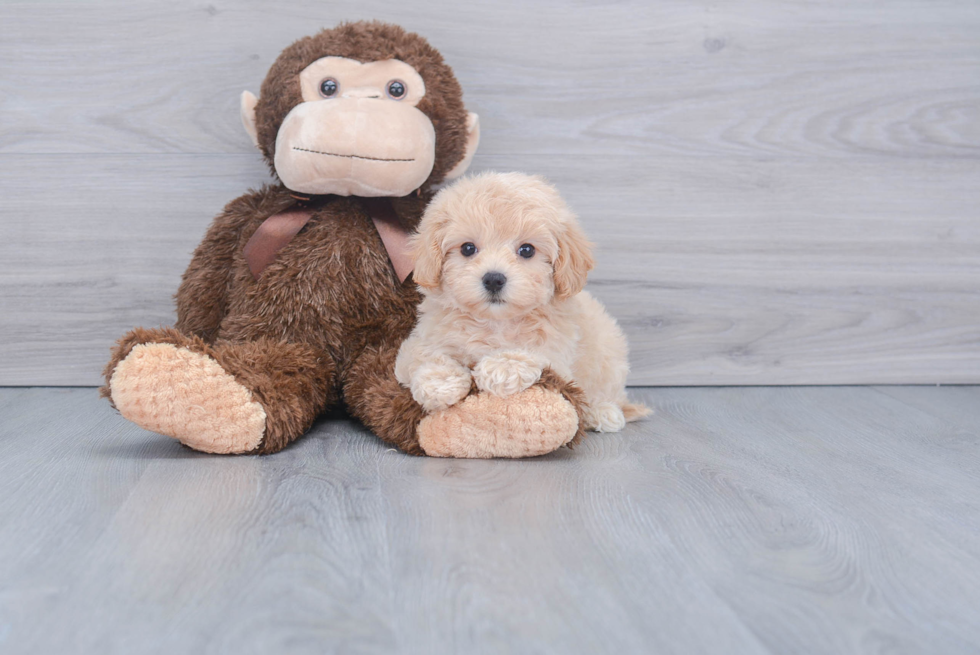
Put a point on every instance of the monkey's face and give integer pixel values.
(357, 132)
(363, 109)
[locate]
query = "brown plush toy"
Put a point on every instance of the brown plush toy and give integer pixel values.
(299, 295)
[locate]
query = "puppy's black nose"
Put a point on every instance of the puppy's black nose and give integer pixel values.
(494, 281)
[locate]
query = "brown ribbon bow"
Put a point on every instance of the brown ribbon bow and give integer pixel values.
(278, 230)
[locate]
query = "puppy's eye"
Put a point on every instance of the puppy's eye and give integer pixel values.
(526, 251)
(328, 87)
(468, 249)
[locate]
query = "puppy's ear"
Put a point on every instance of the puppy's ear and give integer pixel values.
(574, 260)
(427, 251)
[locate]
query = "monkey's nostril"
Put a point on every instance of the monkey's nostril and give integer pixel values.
(494, 281)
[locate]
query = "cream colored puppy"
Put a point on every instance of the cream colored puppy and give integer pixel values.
(501, 262)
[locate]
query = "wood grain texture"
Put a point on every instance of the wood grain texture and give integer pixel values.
(708, 290)
(761, 78)
(736, 520)
(781, 192)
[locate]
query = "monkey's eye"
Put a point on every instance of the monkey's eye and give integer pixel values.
(396, 89)
(526, 250)
(328, 87)
(468, 249)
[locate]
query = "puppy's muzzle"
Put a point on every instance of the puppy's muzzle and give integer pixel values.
(493, 282)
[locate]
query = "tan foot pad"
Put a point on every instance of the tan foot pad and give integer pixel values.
(531, 423)
(187, 396)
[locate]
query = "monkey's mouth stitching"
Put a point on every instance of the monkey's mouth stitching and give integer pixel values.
(334, 154)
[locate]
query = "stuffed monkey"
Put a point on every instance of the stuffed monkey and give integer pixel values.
(300, 293)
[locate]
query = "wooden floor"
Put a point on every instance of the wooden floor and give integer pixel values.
(736, 520)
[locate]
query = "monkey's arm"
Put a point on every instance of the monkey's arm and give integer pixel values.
(203, 293)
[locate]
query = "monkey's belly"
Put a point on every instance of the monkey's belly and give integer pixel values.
(332, 286)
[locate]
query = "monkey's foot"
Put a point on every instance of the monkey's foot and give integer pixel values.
(533, 422)
(187, 396)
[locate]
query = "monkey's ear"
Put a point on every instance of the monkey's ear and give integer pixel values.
(574, 261)
(472, 142)
(248, 116)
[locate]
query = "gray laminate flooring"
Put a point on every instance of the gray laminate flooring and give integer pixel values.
(736, 520)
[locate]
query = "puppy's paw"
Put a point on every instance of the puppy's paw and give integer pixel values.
(507, 373)
(436, 386)
(605, 417)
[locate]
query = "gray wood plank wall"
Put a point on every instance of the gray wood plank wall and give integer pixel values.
(781, 191)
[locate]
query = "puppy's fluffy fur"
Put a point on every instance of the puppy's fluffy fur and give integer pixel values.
(539, 318)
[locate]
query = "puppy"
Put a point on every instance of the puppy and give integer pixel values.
(501, 262)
